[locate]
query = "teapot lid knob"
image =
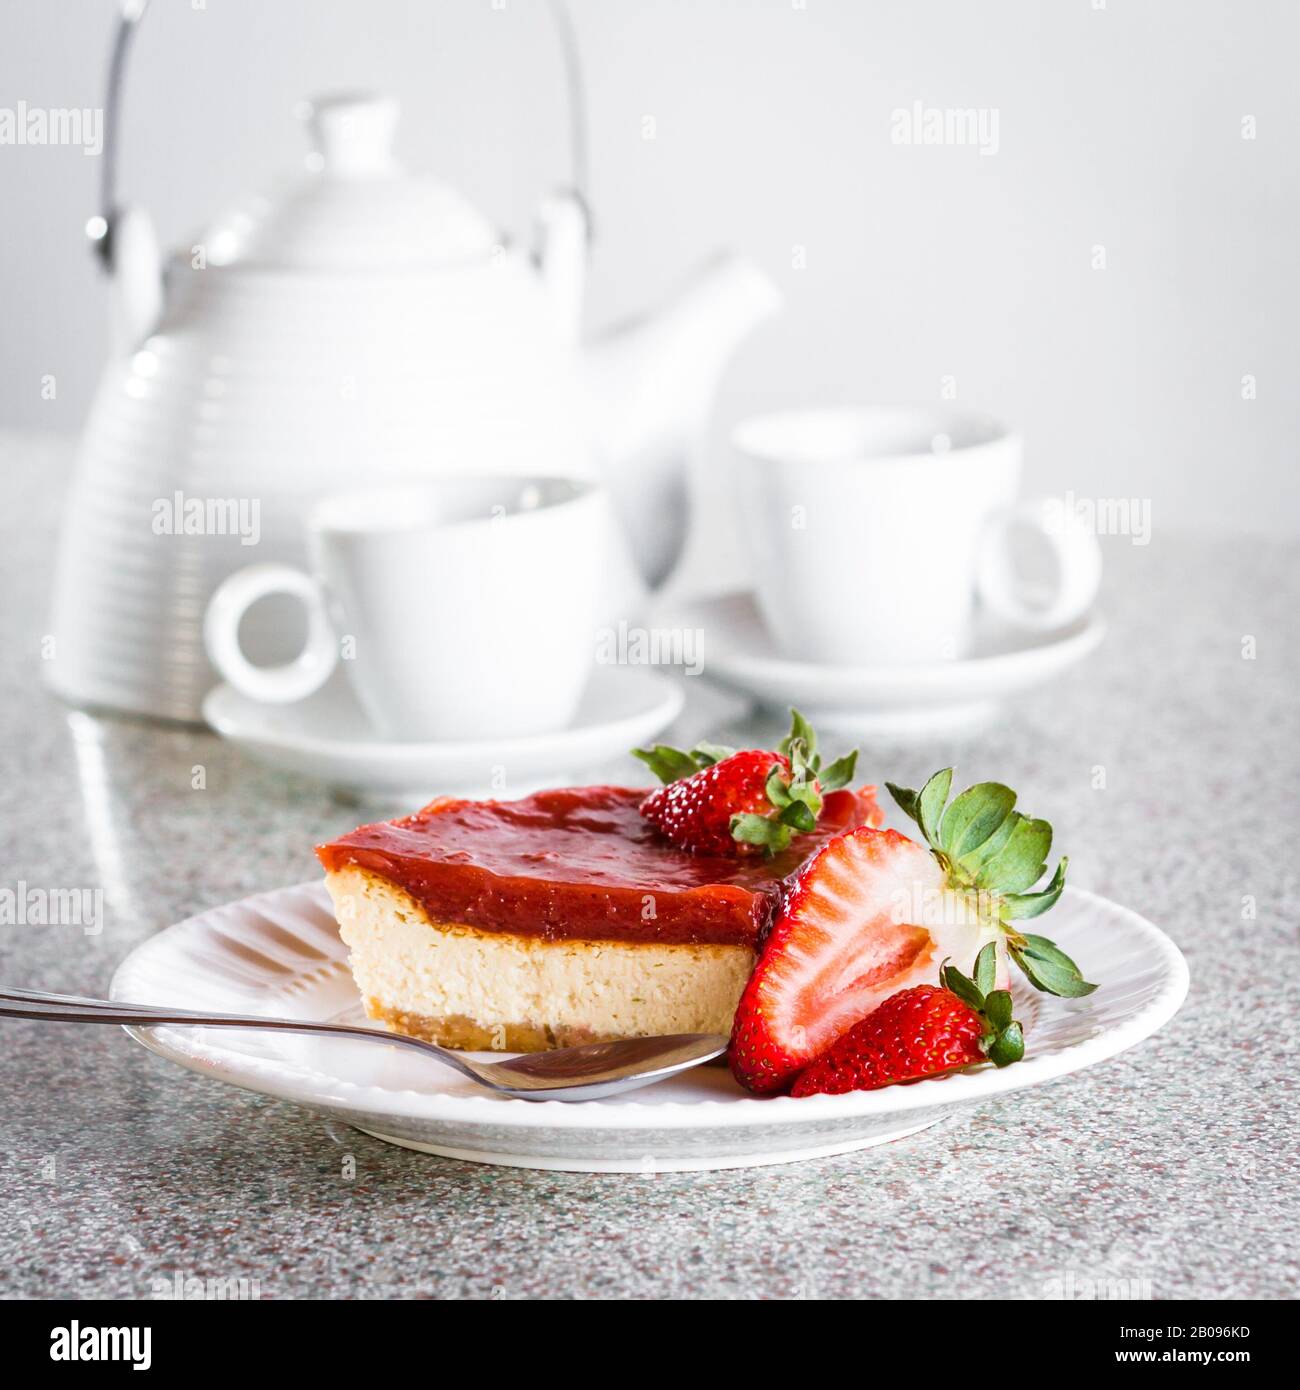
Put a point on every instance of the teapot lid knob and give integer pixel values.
(352, 134)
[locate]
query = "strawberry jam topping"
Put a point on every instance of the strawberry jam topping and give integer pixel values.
(580, 862)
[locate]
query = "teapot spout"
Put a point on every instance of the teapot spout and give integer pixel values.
(652, 382)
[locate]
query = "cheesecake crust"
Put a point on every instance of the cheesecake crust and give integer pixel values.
(463, 1034)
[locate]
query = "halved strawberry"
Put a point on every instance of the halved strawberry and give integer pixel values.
(874, 913)
(867, 916)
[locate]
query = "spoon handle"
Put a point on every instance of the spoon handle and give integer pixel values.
(75, 1008)
(586, 1072)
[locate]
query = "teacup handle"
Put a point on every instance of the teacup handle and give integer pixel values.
(277, 685)
(1075, 553)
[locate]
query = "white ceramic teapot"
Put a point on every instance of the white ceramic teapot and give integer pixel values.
(356, 323)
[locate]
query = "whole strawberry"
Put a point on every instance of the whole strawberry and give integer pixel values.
(696, 812)
(721, 801)
(922, 1032)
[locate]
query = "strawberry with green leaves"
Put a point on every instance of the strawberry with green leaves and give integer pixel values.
(719, 800)
(873, 913)
(988, 850)
(922, 1032)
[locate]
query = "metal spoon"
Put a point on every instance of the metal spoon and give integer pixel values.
(572, 1073)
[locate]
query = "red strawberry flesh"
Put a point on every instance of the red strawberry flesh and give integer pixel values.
(864, 918)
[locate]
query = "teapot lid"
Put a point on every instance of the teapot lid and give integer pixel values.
(354, 208)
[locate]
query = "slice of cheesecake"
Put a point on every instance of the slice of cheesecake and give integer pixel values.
(558, 919)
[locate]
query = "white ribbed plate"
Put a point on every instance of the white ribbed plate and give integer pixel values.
(279, 954)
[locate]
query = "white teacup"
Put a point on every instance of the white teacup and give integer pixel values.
(873, 530)
(461, 608)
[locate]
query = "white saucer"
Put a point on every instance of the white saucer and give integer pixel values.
(901, 702)
(279, 954)
(327, 737)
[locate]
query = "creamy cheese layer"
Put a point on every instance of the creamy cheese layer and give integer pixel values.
(407, 964)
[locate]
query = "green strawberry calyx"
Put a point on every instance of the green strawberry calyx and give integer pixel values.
(795, 797)
(988, 848)
(1003, 1039)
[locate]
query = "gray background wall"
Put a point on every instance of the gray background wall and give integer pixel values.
(1118, 126)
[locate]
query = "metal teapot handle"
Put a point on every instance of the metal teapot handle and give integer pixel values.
(101, 226)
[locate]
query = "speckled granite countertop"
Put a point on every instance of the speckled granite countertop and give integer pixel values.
(1174, 1165)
